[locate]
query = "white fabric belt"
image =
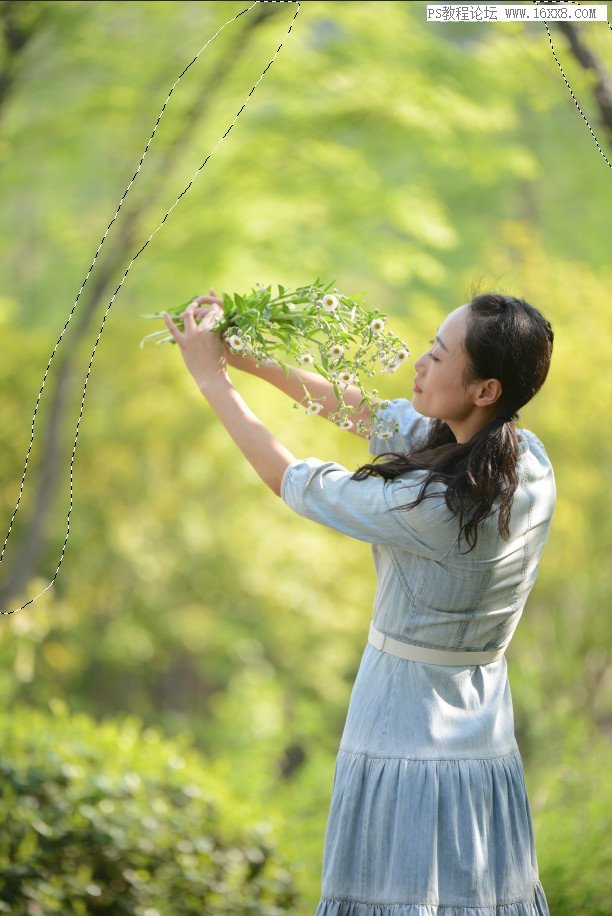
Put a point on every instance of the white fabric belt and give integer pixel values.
(431, 656)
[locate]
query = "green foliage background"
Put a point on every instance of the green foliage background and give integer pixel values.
(403, 160)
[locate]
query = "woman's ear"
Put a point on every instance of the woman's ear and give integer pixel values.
(489, 393)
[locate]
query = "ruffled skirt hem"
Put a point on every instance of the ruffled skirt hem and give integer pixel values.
(403, 834)
(333, 906)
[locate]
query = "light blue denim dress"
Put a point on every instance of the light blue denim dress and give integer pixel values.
(429, 812)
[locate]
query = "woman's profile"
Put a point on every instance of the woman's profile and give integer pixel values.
(429, 812)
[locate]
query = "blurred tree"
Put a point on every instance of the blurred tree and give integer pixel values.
(588, 59)
(20, 23)
(130, 230)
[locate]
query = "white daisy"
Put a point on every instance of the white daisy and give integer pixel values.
(330, 303)
(235, 342)
(377, 325)
(314, 407)
(401, 356)
(346, 424)
(346, 377)
(306, 359)
(336, 351)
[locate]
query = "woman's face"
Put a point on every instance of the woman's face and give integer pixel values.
(440, 378)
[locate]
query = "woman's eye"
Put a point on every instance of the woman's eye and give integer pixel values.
(435, 358)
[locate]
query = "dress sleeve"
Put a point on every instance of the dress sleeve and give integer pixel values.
(325, 492)
(413, 427)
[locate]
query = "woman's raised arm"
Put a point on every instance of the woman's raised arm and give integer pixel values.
(321, 390)
(204, 355)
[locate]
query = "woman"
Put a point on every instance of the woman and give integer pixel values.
(429, 812)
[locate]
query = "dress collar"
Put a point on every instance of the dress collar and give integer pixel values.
(522, 444)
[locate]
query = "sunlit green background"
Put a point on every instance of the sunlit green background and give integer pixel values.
(400, 159)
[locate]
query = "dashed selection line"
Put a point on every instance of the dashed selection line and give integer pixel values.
(552, 48)
(126, 273)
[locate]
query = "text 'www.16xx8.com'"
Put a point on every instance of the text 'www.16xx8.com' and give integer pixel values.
(519, 12)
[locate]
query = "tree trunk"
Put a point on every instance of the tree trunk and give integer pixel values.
(587, 59)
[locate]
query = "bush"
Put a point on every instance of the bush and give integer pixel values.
(111, 818)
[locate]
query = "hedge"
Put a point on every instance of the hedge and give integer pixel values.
(113, 818)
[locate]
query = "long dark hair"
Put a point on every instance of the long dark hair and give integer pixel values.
(507, 339)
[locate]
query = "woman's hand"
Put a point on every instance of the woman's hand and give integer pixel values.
(204, 354)
(200, 307)
(202, 349)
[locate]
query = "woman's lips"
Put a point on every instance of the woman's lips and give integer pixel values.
(416, 388)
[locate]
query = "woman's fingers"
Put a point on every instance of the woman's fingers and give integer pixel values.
(198, 308)
(205, 313)
(202, 310)
(188, 318)
(208, 300)
(171, 325)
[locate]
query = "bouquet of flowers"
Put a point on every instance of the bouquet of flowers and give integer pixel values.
(315, 328)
